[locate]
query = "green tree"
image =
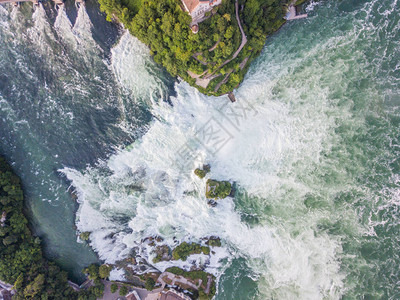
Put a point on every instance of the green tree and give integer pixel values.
(123, 290)
(8, 240)
(104, 271)
(229, 32)
(33, 288)
(113, 288)
(92, 271)
(149, 284)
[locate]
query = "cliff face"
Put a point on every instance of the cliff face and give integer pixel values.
(215, 55)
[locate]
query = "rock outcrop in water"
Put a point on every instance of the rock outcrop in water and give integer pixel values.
(201, 173)
(84, 236)
(218, 189)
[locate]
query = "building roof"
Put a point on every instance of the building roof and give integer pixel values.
(173, 295)
(133, 296)
(5, 294)
(190, 5)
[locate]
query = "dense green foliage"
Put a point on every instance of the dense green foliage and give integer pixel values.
(104, 271)
(218, 189)
(183, 250)
(21, 260)
(165, 28)
(92, 272)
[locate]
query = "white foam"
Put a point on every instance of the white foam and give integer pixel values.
(135, 70)
(117, 275)
(252, 158)
(4, 14)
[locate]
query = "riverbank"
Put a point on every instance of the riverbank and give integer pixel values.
(191, 285)
(22, 266)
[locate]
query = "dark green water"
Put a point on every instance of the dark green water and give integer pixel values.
(316, 214)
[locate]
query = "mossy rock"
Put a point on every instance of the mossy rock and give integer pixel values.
(85, 236)
(218, 189)
(202, 172)
(214, 242)
(205, 250)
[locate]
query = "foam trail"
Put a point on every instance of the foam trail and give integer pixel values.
(41, 34)
(63, 27)
(82, 30)
(4, 17)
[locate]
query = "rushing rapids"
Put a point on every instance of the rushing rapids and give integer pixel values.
(311, 144)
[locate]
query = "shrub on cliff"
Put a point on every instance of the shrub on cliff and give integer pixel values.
(84, 236)
(202, 172)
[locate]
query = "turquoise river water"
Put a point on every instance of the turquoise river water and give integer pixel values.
(312, 144)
